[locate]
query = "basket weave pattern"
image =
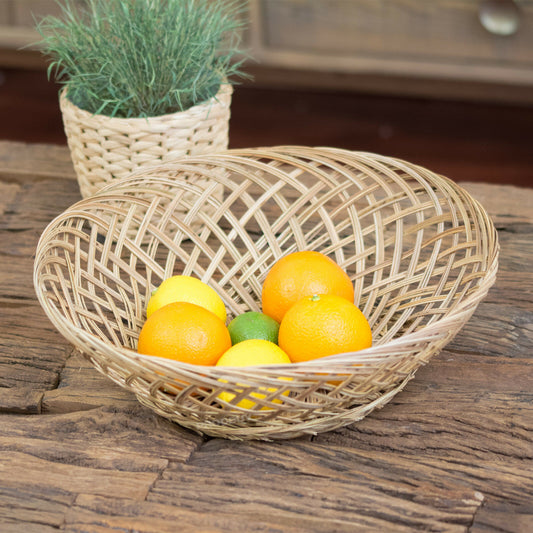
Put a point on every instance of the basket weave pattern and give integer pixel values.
(104, 148)
(421, 252)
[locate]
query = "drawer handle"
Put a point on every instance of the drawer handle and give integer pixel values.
(499, 17)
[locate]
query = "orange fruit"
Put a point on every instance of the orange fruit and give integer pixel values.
(324, 325)
(302, 274)
(181, 288)
(253, 325)
(185, 332)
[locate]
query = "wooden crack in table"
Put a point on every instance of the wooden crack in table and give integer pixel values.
(452, 452)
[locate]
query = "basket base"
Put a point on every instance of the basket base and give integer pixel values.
(278, 430)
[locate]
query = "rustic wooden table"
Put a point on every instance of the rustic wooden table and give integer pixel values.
(452, 452)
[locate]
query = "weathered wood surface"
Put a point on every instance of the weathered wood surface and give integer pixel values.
(451, 453)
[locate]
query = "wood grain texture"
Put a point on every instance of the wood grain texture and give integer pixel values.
(130, 439)
(327, 487)
(32, 352)
(81, 388)
(33, 510)
(34, 161)
(492, 517)
(451, 453)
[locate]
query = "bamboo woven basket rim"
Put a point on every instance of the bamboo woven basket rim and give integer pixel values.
(140, 122)
(141, 369)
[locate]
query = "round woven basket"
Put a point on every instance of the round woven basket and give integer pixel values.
(420, 250)
(104, 149)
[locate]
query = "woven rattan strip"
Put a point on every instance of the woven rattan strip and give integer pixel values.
(105, 149)
(421, 252)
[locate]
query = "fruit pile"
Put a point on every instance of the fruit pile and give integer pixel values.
(308, 312)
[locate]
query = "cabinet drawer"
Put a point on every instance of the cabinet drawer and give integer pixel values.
(376, 35)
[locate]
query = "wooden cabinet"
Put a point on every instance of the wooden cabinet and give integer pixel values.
(410, 45)
(417, 46)
(442, 38)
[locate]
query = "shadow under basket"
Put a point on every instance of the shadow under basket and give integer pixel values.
(422, 253)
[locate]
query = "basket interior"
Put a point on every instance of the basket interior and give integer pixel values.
(410, 240)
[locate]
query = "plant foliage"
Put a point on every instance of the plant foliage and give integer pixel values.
(140, 58)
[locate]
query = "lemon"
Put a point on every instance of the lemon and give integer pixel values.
(186, 289)
(248, 353)
(253, 325)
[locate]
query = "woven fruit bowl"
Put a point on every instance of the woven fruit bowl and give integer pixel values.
(422, 253)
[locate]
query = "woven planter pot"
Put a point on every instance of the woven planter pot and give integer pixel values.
(104, 149)
(421, 252)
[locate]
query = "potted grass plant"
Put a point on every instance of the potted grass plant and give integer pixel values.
(143, 81)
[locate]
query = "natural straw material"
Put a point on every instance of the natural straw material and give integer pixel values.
(105, 148)
(420, 250)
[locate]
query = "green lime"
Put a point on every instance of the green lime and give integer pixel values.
(253, 325)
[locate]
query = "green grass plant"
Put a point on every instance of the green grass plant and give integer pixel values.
(142, 58)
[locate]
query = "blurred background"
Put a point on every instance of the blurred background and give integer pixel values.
(441, 83)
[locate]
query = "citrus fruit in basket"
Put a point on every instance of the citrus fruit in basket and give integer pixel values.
(302, 274)
(248, 353)
(253, 325)
(186, 289)
(185, 332)
(323, 325)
